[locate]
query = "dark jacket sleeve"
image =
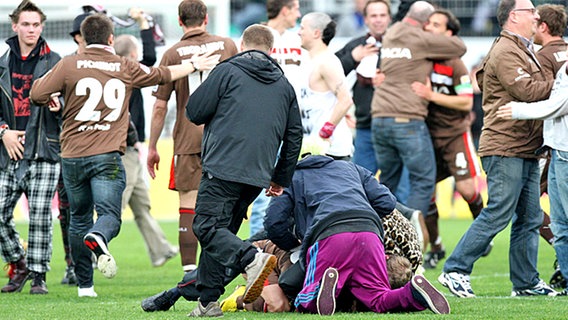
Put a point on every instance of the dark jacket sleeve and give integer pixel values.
(291, 145)
(380, 197)
(344, 55)
(148, 48)
(203, 102)
(279, 221)
(132, 134)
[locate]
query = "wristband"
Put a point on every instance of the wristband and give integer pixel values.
(327, 130)
(195, 65)
(3, 129)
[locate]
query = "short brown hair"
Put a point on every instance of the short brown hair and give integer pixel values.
(386, 2)
(453, 23)
(399, 271)
(26, 5)
(192, 13)
(273, 7)
(96, 29)
(258, 37)
(554, 15)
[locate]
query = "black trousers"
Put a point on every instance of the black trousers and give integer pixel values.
(220, 209)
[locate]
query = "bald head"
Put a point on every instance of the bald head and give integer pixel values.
(420, 11)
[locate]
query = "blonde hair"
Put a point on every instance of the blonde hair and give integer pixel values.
(399, 271)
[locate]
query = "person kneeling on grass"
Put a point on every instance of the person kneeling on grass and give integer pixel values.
(338, 218)
(273, 298)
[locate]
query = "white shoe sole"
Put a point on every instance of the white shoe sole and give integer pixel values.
(107, 266)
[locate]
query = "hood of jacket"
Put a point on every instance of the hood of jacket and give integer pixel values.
(258, 65)
(312, 161)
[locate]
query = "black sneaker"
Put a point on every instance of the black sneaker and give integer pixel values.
(38, 283)
(69, 277)
(159, 302)
(431, 258)
(557, 280)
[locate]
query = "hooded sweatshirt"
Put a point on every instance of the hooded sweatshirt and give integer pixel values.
(248, 108)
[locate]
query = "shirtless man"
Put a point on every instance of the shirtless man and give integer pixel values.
(325, 97)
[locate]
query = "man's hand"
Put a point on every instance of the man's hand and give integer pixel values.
(361, 51)
(152, 161)
(206, 61)
(274, 190)
(423, 90)
(506, 111)
(12, 141)
(54, 105)
(378, 79)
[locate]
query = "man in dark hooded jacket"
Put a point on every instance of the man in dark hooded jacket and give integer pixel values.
(249, 110)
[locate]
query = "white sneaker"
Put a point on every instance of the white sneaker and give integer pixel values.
(87, 292)
(458, 284)
(105, 261)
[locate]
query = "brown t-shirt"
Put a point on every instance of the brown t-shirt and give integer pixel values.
(406, 56)
(452, 78)
(552, 56)
(187, 136)
(96, 85)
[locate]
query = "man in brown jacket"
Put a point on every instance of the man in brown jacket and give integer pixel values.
(510, 72)
(401, 138)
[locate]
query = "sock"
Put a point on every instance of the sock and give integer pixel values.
(475, 205)
(432, 224)
(545, 231)
(187, 239)
(64, 216)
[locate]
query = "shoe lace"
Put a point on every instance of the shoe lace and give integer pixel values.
(465, 282)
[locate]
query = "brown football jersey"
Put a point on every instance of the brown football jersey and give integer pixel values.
(96, 86)
(449, 77)
(187, 136)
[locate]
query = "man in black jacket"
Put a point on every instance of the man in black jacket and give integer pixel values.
(249, 110)
(29, 152)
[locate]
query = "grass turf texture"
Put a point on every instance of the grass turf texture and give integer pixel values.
(120, 298)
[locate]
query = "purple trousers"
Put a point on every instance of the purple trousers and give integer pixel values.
(360, 261)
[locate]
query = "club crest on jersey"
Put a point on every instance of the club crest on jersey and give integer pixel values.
(396, 53)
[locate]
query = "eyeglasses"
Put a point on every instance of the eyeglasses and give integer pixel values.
(531, 10)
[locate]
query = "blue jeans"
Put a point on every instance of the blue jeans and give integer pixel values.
(406, 144)
(94, 182)
(257, 213)
(558, 195)
(364, 154)
(513, 187)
